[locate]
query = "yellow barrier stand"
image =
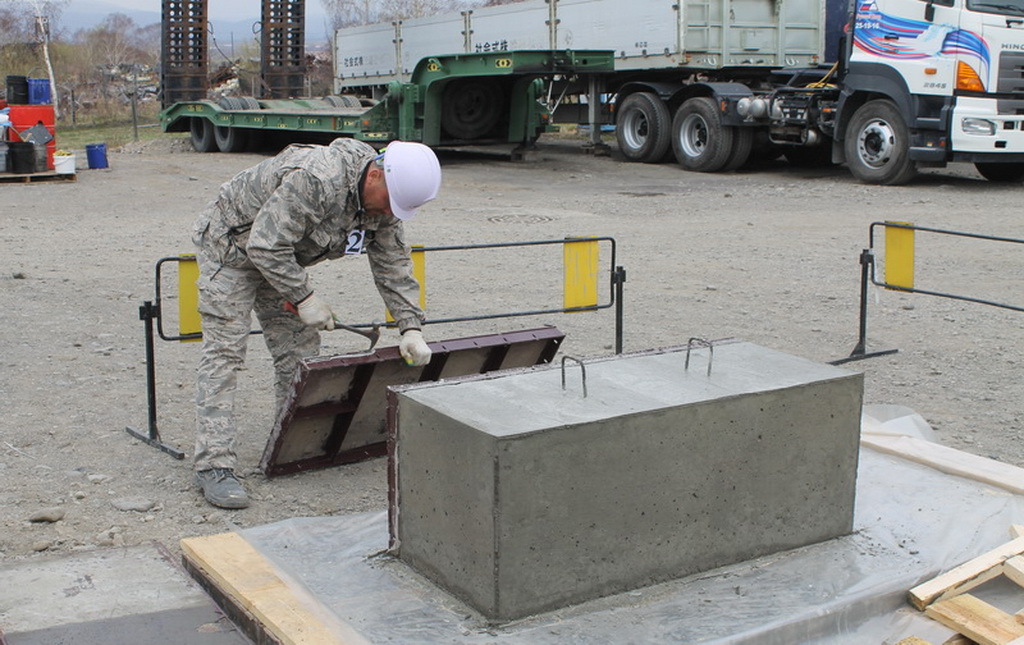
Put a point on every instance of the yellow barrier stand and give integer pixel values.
(899, 255)
(419, 271)
(580, 260)
(189, 321)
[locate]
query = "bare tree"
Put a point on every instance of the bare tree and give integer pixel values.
(44, 13)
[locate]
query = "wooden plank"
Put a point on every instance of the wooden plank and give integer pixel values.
(11, 178)
(286, 613)
(913, 640)
(968, 575)
(1014, 569)
(958, 639)
(976, 619)
(949, 460)
(1016, 530)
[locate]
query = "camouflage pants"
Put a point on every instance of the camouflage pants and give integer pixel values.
(227, 297)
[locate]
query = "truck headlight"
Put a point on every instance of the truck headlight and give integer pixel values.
(978, 126)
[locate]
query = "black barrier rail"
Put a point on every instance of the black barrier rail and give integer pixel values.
(868, 274)
(151, 311)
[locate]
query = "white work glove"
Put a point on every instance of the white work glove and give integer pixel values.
(413, 348)
(314, 312)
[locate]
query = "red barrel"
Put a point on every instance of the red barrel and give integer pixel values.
(24, 117)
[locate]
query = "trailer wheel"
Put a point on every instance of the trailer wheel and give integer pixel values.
(343, 101)
(1004, 173)
(878, 145)
(230, 139)
(202, 135)
(471, 108)
(699, 140)
(643, 128)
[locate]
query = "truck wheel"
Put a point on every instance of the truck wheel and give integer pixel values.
(878, 145)
(230, 139)
(343, 101)
(643, 128)
(699, 140)
(742, 144)
(1004, 173)
(471, 108)
(202, 135)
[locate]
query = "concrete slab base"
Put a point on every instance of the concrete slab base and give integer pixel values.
(911, 523)
(118, 596)
(521, 493)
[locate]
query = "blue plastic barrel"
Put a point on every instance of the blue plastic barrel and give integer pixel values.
(38, 91)
(96, 154)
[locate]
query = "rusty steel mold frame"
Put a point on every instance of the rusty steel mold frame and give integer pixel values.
(336, 412)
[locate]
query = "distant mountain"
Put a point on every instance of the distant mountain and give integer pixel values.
(228, 26)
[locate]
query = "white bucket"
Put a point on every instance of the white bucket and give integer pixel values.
(64, 164)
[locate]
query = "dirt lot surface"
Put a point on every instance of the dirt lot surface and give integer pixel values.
(768, 255)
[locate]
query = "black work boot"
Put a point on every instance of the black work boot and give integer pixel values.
(221, 488)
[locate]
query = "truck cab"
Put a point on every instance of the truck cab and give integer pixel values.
(933, 81)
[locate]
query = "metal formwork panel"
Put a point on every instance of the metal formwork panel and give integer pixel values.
(183, 75)
(283, 48)
(336, 412)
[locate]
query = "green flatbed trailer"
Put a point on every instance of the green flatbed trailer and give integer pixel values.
(423, 109)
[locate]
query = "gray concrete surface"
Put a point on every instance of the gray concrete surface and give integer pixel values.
(117, 596)
(521, 497)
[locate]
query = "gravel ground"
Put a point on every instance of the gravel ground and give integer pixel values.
(769, 255)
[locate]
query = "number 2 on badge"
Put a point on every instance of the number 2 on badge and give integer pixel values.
(354, 244)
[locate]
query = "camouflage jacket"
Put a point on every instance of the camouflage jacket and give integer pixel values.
(299, 208)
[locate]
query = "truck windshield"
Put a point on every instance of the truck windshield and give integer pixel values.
(1015, 8)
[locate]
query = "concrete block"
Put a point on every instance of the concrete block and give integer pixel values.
(519, 496)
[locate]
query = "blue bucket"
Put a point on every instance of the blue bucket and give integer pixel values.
(96, 154)
(39, 91)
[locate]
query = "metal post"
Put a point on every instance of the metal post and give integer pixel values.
(618, 279)
(147, 312)
(859, 352)
(866, 256)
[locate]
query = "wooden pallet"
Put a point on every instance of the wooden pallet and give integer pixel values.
(14, 178)
(945, 599)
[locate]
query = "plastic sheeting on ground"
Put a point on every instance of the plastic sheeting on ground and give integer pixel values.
(911, 523)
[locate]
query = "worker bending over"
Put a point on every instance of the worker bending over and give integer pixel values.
(267, 224)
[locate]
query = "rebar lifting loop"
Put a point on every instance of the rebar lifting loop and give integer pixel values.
(700, 342)
(583, 372)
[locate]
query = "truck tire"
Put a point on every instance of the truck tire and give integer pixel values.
(202, 135)
(742, 145)
(471, 108)
(1003, 173)
(878, 145)
(699, 140)
(343, 101)
(643, 128)
(230, 139)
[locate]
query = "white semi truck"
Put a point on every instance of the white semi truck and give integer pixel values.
(884, 86)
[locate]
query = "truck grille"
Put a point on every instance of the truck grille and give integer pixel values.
(1011, 73)
(1011, 81)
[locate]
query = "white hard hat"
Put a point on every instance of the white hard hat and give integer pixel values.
(413, 176)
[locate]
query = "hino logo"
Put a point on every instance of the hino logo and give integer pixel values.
(1017, 46)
